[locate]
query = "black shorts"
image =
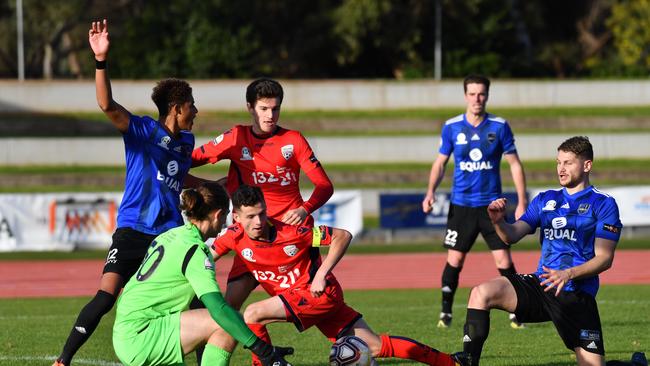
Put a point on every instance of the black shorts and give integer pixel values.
(127, 251)
(574, 314)
(464, 224)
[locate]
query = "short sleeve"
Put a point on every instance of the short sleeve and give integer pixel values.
(200, 271)
(224, 244)
(321, 236)
(608, 224)
(217, 149)
(531, 216)
(140, 128)
(446, 144)
(508, 140)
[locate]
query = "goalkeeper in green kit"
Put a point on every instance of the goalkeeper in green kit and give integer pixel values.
(153, 325)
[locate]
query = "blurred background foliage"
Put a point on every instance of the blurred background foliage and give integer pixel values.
(389, 39)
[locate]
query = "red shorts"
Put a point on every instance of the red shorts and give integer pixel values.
(328, 312)
(239, 267)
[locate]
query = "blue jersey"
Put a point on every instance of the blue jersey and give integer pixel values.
(569, 225)
(477, 156)
(156, 165)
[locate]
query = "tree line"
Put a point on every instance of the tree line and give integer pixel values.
(389, 39)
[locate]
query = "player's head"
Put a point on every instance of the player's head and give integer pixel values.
(263, 100)
(173, 97)
(574, 161)
(477, 90)
(206, 206)
(249, 209)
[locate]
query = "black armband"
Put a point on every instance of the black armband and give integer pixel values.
(100, 65)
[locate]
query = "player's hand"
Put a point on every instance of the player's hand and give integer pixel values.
(270, 355)
(98, 39)
(295, 216)
(497, 210)
(427, 203)
(317, 286)
(555, 279)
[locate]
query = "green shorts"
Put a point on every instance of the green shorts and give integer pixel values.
(156, 342)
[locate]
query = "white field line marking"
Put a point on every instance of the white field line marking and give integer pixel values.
(83, 361)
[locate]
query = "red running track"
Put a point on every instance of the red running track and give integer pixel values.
(367, 271)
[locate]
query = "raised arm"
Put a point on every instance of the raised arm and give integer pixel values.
(100, 44)
(509, 233)
(339, 245)
(519, 179)
(435, 177)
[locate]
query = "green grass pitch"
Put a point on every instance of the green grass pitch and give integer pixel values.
(33, 330)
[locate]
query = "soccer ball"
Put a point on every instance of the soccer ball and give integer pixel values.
(350, 351)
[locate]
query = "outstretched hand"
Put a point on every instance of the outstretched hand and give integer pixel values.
(98, 39)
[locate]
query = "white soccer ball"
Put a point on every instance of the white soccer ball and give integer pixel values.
(350, 351)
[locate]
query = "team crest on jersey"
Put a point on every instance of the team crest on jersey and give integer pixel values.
(247, 253)
(583, 208)
(164, 141)
(217, 140)
(246, 154)
(290, 250)
(461, 139)
(549, 206)
(287, 151)
(492, 136)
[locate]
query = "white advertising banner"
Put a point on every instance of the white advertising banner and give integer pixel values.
(343, 210)
(57, 221)
(65, 221)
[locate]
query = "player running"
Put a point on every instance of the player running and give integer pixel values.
(152, 325)
(285, 259)
(158, 156)
(579, 229)
(478, 140)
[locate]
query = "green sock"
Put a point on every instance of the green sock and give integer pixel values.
(215, 356)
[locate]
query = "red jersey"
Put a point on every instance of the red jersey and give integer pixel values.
(289, 260)
(272, 163)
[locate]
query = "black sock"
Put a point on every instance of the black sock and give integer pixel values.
(449, 285)
(477, 327)
(86, 324)
(198, 304)
(507, 271)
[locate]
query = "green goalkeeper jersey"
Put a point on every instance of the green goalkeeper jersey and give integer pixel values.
(177, 266)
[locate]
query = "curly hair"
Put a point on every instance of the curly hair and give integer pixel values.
(247, 196)
(169, 93)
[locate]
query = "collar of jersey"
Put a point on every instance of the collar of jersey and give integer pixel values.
(577, 194)
(277, 129)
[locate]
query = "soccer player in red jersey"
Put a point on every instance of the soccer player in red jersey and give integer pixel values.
(286, 261)
(268, 156)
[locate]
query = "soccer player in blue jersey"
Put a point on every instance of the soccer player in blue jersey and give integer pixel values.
(158, 156)
(579, 229)
(478, 140)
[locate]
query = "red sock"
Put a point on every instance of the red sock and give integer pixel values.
(407, 348)
(261, 332)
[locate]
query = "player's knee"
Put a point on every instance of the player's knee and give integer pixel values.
(479, 297)
(253, 313)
